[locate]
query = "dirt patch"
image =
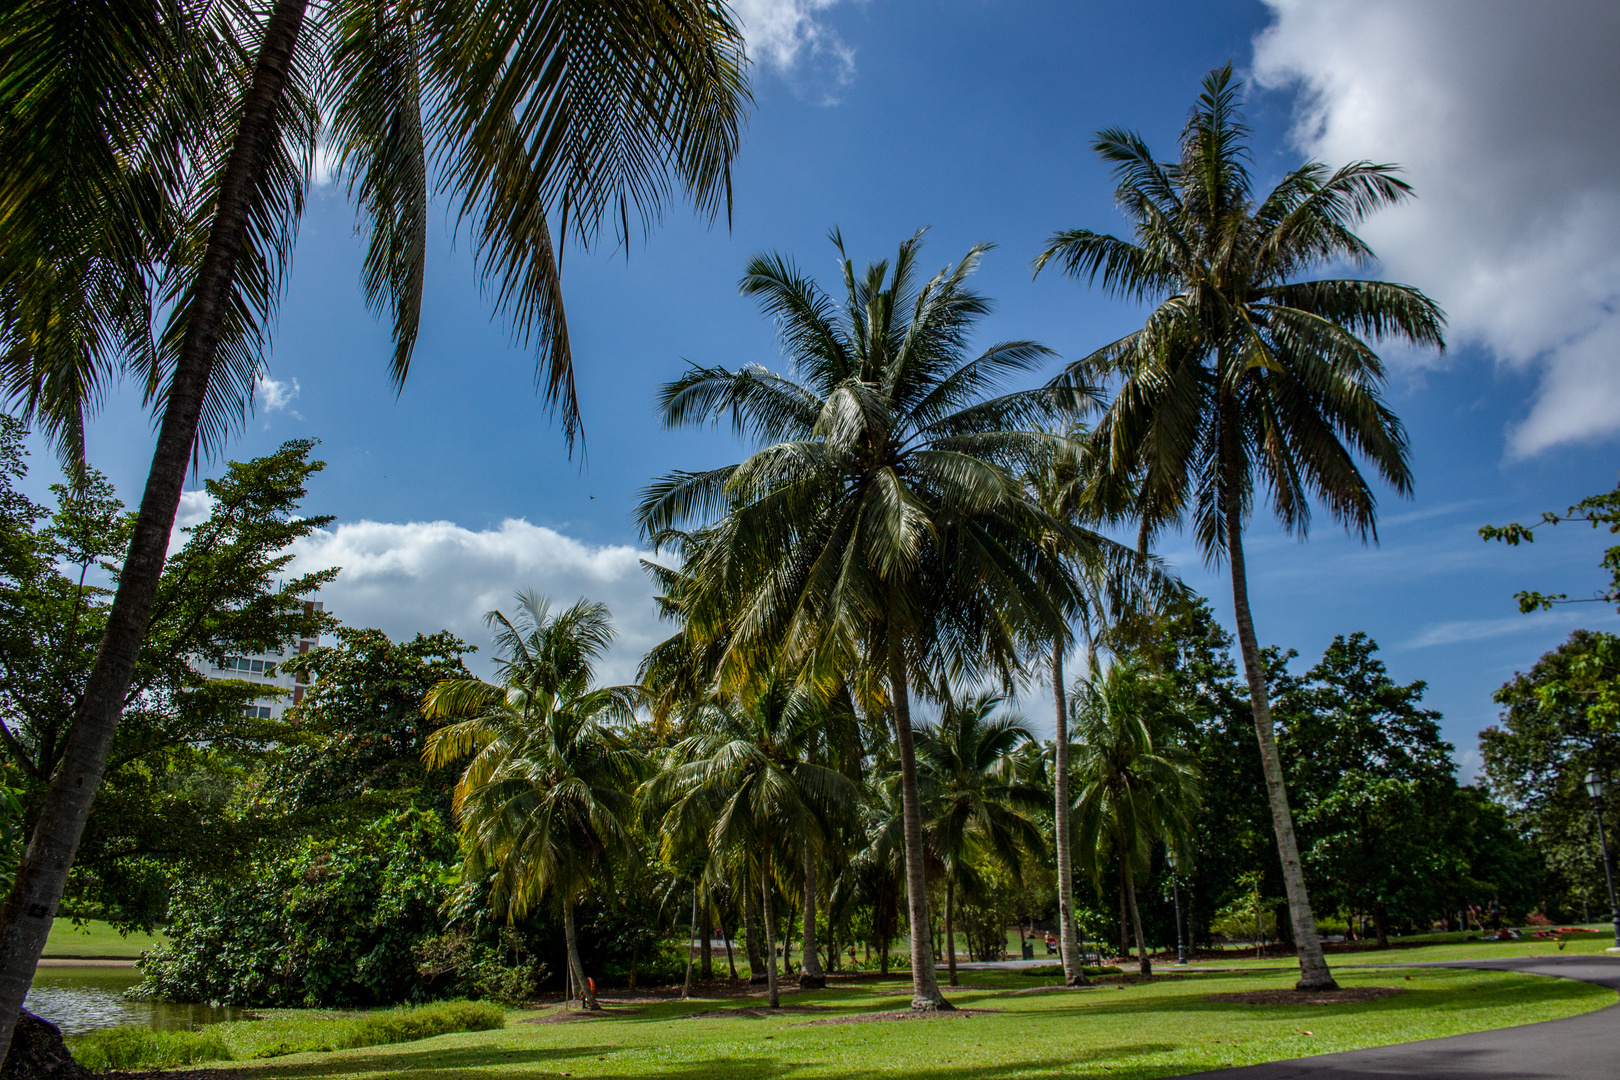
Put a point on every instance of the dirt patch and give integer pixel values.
(754, 1012)
(564, 1016)
(897, 1014)
(1347, 996)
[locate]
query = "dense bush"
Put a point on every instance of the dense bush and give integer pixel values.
(328, 922)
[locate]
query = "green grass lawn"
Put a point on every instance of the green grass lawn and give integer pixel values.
(1157, 1029)
(1461, 950)
(97, 938)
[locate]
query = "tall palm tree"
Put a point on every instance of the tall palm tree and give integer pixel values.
(975, 797)
(1246, 373)
(754, 773)
(155, 155)
(1112, 579)
(1135, 787)
(882, 525)
(544, 798)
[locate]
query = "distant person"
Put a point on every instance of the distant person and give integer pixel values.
(1051, 943)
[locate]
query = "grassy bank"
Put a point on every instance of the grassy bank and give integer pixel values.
(281, 1032)
(97, 938)
(1141, 1031)
(1456, 950)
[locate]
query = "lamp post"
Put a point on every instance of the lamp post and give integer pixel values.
(1175, 896)
(1595, 786)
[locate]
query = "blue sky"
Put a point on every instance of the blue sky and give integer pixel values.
(974, 118)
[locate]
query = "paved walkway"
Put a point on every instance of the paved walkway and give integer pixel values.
(1582, 1047)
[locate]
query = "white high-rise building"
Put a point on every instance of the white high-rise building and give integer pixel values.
(262, 668)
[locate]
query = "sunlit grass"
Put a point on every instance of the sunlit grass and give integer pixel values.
(1150, 1030)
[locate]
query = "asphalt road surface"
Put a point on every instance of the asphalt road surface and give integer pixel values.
(1585, 1047)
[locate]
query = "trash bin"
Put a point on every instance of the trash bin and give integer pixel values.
(1029, 951)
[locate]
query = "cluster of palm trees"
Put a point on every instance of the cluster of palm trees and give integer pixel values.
(775, 790)
(908, 525)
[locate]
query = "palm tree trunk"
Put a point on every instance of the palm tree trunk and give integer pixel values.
(705, 941)
(1143, 964)
(1074, 971)
(691, 944)
(1313, 967)
(576, 970)
(725, 935)
(30, 907)
(950, 927)
(811, 977)
(770, 936)
(756, 963)
(925, 994)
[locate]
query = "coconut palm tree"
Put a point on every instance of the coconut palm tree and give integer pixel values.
(1134, 786)
(753, 772)
(976, 801)
(156, 154)
(1246, 373)
(1112, 580)
(544, 798)
(882, 527)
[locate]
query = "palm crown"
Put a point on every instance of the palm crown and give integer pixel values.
(887, 484)
(1242, 369)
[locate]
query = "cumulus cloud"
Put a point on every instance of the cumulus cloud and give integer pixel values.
(1503, 116)
(274, 396)
(789, 37)
(428, 576)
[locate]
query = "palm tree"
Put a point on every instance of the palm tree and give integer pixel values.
(882, 526)
(1112, 579)
(753, 772)
(1134, 786)
(542, 803)
(1245, 374)
(156, 156)
(976, 800)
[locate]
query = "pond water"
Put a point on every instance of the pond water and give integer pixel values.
(79, 999)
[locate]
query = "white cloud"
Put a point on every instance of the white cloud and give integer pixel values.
(1502, 115)
(787, 35)
(428, 576)
(273, 396)
(1560, 620)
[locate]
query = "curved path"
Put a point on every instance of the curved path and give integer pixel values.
(1574, 1048)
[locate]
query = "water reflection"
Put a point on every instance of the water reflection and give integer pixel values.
(79, 999)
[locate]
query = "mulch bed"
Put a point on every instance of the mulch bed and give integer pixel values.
(1347, 996)
(565, 1016)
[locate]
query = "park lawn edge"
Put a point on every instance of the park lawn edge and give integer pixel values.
(1140, 1031)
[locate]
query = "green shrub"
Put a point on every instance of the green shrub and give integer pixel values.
(376, 1028)
(124, 1049)
(1047, 970)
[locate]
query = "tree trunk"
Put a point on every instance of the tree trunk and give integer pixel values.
(811, 977)
(1144, 964)
(26, 917)
(925, 994)
(725, 935)
(1124, 924)
(705, 942)
(787, 944)
(691, 945)
(769, 919)
(1074, 970)
(1313, 967)
(950, 927)
(756, 962)
(1381, 925)
(576, 970)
